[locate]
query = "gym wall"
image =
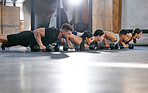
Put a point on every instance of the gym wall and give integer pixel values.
(106, 15)
(102, 15)
(9, 19)
(134, 14)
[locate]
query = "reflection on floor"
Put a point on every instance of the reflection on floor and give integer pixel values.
(106, 71)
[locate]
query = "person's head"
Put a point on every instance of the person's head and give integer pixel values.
(87, 37)
(124, 34)
(67, 29)
(99, 34)
(137, 33)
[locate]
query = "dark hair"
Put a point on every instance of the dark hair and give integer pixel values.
(67, 27)
(123, 32)
(136, 31)
(99, 32)
(87, 34)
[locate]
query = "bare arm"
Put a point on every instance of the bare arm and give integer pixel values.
(38, 33)
(111, 36)
(97, 45)
(105, 42)
(68, 42)
(124, 45)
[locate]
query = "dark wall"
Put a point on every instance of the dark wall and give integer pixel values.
(43, 12)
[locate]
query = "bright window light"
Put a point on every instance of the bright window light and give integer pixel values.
(74, 2)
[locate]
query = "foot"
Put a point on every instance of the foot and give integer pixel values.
(3, 46)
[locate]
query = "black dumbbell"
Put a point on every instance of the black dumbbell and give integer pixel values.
(112, 46)
(131, 46)
(36, 48)
(121, 46)
(117, 46)
(92, 46)
(56, 47)
(101, 46)
(77, 47)
(48, 48)
(65, 48)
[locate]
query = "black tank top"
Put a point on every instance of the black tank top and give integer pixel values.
(51, 35)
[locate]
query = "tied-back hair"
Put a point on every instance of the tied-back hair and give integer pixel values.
(135, 31)
(99, 32)
(87, 34)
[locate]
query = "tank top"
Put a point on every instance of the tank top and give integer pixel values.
(51, 35)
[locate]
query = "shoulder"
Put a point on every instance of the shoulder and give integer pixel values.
(107, 32)
(52, 29)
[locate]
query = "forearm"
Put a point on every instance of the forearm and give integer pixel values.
(97, 44)
(37, 36)
(105, 41)
(68, 42)
(123, 43)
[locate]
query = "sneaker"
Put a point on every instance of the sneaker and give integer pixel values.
(4, 45)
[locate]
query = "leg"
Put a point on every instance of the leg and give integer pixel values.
(3, 38)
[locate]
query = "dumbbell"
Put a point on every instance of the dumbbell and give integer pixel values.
(48, 48)
(131, 46)
(121, 46)
(35, 48)
(92, 46)
(65, 48)
(101, 46)
(117, 46)
(112, 46)
(56, 47)
(77, 47)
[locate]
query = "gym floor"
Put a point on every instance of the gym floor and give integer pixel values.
(101, 71)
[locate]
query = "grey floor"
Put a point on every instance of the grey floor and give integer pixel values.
(107, 71)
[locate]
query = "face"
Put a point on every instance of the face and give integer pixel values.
(89, 40)
(139, 35)
(66, 33)
(101, 38)
(125, 37)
